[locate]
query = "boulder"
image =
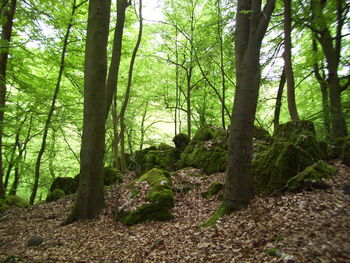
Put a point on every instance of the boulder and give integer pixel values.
(12, 200)
(68, 185)
(274, 167)
(35, 241)
(55, 195)
(309, 144)
(311, 177)
(261, 134)
(345, 157)
(163, 157)
(212, 190)
(150, 199)
(112, 176)
(208, 132)
(290, 131)
(181, 140)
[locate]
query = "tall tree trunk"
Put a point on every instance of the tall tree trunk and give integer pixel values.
(177, 93)
(188, 101)
(278, 104)
(52, 106)
(112, 79)
(12, 160)
(128, 89)
(251, 25)
(90, 198)
(142, 129)
(222, 65)
(8, 14)
(332, 54)
(292, 107)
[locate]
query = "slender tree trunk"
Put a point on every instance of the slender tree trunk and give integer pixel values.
(292, 107)
(222, 65)
(278, 105)
(250, 30)
(12, 160)
(128, 89)
(90, 198)
(142, 130)
(112, 79)
(8, 13)
(177, 97)
(52, 107)
(116, 161)
(188, 102)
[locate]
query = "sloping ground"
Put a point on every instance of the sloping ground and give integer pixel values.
(312, 226)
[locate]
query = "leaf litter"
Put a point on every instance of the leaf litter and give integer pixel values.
(311, 226)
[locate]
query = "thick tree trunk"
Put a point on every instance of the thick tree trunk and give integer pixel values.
(128, 89)
(250, 30)
(8, 13)
(292, 107)
(90, 198)
(278, 105)
(52, 107)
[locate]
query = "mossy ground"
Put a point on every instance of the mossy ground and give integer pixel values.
(55, 195)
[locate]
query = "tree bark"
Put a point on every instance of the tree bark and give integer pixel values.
(128, 89)
(278, 105)
(90, 198)
(251, 25)
(52, 107)
(6, 35)
(292, 107)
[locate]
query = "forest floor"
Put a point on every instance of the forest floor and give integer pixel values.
(311, 226)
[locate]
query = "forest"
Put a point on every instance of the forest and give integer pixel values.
(174, 131)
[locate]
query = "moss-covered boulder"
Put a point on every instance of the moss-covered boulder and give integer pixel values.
(210, 156)
(55, 195)
(163, 157)
(112, 176)
(150, 198)
(346, 153)
(273, 168)
(12, 200)
(290, 131)
(68, 185)
(181, 140)
(312, 176)
(208, 132)
(259, 133)
(212, 190)
(309, 144)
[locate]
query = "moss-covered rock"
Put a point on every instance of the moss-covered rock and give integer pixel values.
(163, 157)
(346, 153)
(154, 205)
(55, 195)
(181, 140)
(68, 185)
(259, 133)
(324, 148)
(209, 156)
(312, 176)
(12, 200)
(309, 144)
(212, 190)
(290, 131)
(273, 168)
(208, 132)
(112, 176)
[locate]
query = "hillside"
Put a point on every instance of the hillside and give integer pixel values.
(312, 226)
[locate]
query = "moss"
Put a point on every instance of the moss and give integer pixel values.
(346, 153)
(273, 168)
(12, 200)
(339, 146)
(209, 132)
(290, 131)
(55, 195)
(260, 133)
(324, 148)
(312, 175)
(181, 140)
(11, 259)
(272, 252)
(68, 185)
(212, 190)
(220, 212)
(211, 159)
(112, 176)
(309, 144)
(160, 199)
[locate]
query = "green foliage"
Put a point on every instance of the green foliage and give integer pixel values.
(55, 195)
(11, 259)
(312, 175)
(272, 252)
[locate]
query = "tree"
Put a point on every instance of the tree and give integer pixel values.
(288, 68)
(6, 33)
(90, 197)
(251, 25)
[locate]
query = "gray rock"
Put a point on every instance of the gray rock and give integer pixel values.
(35, 241)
